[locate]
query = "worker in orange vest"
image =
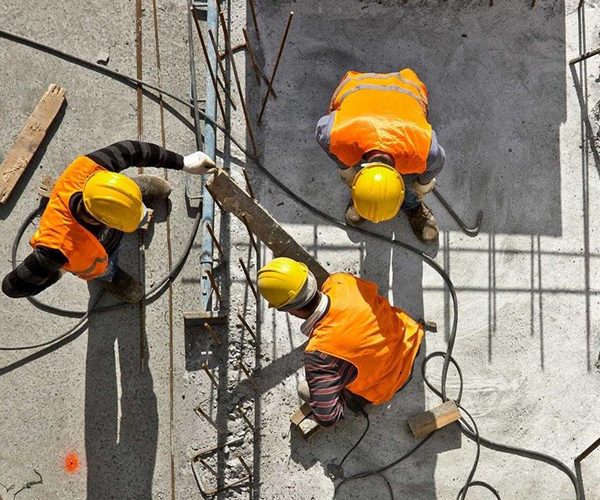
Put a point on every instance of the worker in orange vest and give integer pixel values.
(360, 348)
(91, 206)
(387, 152)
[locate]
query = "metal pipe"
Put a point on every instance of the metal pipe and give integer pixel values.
(210, 148)
(285, 34)
(237, 81)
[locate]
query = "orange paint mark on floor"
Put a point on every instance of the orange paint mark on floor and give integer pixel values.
(71, 463)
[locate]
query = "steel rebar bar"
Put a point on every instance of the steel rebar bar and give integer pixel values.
(247, 372)
(250, 234)
(210, 375)
(213, 334)
(200, 411)
(285, 34)
(213, 284)
(248, 279)
(244, 416)
(215, 240)
(247, 326)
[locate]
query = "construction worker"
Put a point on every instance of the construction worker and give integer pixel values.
(360, 348)
(90, 208)
(378, 134)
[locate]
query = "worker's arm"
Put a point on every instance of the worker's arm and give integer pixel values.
(435, 161)
(121, 155)
(327, 376)
(38, 271)
(323, 136)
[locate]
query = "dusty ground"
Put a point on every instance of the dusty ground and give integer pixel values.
(511, 115)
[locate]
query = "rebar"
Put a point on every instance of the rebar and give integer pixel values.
(210, 375)
(248, 279)
(247, 326)
(252, 239)
(254, 59)
(254, 20)
(209, 66)
(241, 412)
(285, 34)
(200, 411)
(213, 334)
(237, 81)
(213, 285)
(245, 465)
(248, 185)
(213, 41)
(215, 240)
(247, 372)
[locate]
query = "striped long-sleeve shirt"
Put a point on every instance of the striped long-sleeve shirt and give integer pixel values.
(40, 269)
(327, 378)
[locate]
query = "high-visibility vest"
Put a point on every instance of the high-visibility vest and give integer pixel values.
(59, 229)
(363, 328)
(383, 112)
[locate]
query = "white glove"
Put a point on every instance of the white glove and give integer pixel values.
(348, 175)
(198, 163)
(422, 189)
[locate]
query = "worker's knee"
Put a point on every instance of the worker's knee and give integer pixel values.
(303, 391)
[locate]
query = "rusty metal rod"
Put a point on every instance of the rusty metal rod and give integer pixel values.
(247, 372)
(247, 326)
(585, 56)
(214, 238)
(248, 279)
(248, 185)
(254, 20)
(213, 334)
(210, 375)
(255, 62)
(210, 69)
(252, 59)
(285, 34)
(245, 465)
(237, 81)
(213, 284)
(241, 412)
(213, 41)
(252, 239)
(200, 411)
(208, 467)
(224, 53)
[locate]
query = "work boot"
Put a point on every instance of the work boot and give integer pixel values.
(124, 287)
(153, 188)
(352, 217)
(423, 223)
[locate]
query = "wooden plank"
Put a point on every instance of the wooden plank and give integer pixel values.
(300, 414)
(235, 200)
(29, 140)
(304, 424)
(431, 420)
(46, 186)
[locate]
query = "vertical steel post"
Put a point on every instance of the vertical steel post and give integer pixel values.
(210, 148)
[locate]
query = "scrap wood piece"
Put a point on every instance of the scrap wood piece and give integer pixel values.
(29, 140)
(45, 188)
(302, 421)
(434, 419)
(234, 199)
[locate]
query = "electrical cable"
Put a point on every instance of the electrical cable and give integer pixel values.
(471, 433)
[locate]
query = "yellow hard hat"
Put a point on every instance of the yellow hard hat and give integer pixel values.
(114, 200)
(377, 192)
(281, 281)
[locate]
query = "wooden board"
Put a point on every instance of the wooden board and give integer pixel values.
(436, 418)
(29, 140)
(46, 186)
(304, 424)
(235, 200)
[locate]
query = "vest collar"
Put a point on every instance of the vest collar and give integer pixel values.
(307, 327)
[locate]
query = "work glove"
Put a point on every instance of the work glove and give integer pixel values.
(348, 175)
(198, 163)
(422, 189)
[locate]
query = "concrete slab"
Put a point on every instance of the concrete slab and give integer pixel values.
(122, 395)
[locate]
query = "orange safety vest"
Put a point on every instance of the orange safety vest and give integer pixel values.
(383, 112)
(59, 229)
(362, 328)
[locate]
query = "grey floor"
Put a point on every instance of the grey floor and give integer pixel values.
(519, 128)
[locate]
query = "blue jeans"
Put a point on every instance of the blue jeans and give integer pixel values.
(111, 269)
(410, 197)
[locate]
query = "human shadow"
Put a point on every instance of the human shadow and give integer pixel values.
(121, 416)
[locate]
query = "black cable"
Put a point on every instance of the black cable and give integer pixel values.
(464, 427)
(366, 415)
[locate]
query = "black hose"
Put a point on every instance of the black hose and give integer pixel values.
(464, 427)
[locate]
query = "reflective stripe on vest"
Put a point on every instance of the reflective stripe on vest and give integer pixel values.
(362, 328)
(59, 229)
(381, 112)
